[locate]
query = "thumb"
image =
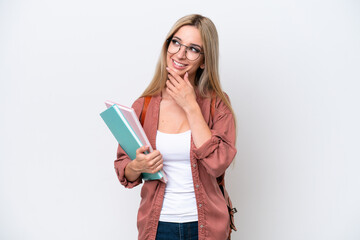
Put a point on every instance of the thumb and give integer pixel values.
(142, 149)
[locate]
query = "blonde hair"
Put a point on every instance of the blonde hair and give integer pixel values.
(207, 80)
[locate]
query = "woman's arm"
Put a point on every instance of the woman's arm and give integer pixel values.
(120, 164)
(200, 131)
(215, 147)
(218, 152)
(182, 91)
(122, 160)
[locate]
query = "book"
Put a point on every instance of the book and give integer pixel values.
(130, 115)
(127, 130)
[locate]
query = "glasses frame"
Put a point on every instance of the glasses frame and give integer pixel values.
(186, 49)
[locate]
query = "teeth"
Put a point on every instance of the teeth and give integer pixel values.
(178, 64)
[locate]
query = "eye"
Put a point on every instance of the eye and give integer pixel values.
(175, 42)
(194, 49)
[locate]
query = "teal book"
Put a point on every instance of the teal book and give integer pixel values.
(126, 136)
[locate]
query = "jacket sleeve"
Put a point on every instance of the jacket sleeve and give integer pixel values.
(123, 159)
(218, 152)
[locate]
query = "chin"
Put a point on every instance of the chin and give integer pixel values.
(180, 72)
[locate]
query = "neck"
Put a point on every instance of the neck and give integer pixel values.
(165, 95)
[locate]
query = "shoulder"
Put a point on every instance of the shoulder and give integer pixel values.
(138, 103)
(221, 104)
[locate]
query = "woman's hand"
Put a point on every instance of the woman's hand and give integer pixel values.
(184, 95)
(146, 163)
(181, 90)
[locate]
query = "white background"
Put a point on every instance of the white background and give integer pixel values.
(291, 69)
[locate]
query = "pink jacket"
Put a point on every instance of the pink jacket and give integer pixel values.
(208, 162)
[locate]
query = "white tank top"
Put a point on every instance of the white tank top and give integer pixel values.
(179, 200)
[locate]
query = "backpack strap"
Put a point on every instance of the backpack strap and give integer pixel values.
(144, 110)
(212, 106)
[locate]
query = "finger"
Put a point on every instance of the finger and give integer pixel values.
(153, 154)
(176, 83)
(157, 159)
(154, 163)
(186, 78)
(142, 149)
(173, 80)
(170, 86)
(174, 74)
(171, 93)
(157, 167)
(187, 81)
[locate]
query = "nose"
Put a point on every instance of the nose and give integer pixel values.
(182, 52)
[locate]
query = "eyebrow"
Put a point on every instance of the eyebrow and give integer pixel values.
(192, 44)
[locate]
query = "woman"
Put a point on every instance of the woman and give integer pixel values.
(194, 144)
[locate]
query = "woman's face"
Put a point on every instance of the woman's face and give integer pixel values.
(189, 36)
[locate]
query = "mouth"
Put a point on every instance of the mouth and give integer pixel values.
(178, 65)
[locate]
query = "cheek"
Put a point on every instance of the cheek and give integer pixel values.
(197, 66)
(168, 60)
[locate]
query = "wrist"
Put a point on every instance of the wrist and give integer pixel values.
(133, 167)
(192, 108)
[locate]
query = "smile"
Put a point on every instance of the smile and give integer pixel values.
(178, 64)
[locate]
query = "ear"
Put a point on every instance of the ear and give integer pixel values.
(202, 66)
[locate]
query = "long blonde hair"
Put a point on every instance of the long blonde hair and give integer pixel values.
(207, 80)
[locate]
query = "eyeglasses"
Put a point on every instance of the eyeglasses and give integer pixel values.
(191, 52)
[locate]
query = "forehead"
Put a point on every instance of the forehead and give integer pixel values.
(189, 34)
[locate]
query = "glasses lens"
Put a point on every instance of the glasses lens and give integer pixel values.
(174, 46)
(192, 54)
